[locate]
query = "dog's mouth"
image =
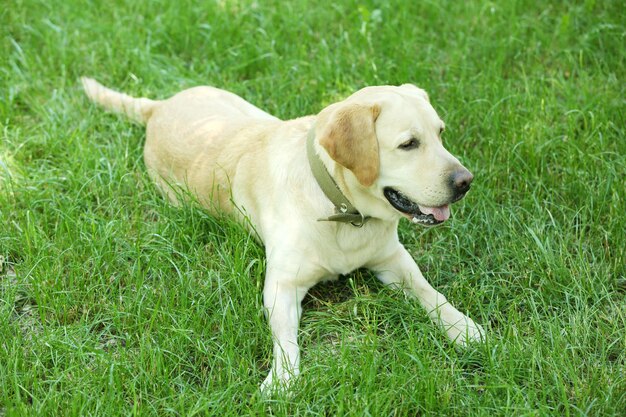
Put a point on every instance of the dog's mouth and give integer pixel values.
(418, 214)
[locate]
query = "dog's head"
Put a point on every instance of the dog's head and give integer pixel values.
(391, 160)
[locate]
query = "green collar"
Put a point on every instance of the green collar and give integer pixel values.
(345, 212)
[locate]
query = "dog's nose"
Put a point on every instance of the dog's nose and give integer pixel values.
(460, 182)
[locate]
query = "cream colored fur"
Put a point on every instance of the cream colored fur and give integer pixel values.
(237, 159)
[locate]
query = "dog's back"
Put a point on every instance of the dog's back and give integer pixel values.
(196, 140)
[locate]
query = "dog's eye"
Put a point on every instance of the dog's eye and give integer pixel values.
(409, 144)
(441, 129)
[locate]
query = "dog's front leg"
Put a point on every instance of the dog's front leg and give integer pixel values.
(282, 300)
(400, 270)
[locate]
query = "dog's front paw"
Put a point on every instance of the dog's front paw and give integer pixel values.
(276, 384)
(465, 331)
(267, 385)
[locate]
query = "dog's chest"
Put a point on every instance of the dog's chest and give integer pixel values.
(351, 248)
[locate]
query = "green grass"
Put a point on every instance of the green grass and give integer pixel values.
(112, 302)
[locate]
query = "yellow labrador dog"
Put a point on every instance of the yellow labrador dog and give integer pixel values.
(324, 193)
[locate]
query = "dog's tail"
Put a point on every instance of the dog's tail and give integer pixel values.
(138, 109)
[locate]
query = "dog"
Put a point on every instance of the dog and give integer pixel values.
(324, 194)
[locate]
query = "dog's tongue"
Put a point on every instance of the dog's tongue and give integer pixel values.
(439, 213)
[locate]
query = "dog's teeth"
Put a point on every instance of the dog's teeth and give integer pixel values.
(422, 219)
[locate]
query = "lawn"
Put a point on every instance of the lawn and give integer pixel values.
(113, 302)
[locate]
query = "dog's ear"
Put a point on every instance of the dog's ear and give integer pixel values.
(348, 133)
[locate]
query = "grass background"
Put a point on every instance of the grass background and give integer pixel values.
(114, 303)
